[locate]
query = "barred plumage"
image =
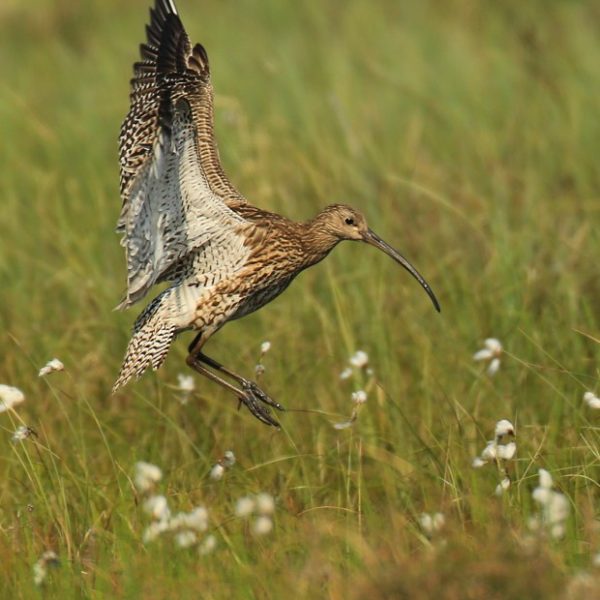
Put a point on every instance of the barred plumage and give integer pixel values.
(183, 221)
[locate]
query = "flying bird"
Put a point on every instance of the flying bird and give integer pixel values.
(184, 223)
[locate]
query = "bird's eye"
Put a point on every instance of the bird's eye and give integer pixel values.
(349, 221)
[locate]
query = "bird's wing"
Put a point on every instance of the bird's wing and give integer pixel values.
(176, 197)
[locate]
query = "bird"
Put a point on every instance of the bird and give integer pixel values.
(184, 223)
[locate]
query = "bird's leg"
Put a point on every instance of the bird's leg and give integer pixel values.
(246, 397)
(250, 387)
(246, 384)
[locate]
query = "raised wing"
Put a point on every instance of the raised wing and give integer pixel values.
(176, 197)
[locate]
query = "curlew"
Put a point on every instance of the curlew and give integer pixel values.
(184, 223)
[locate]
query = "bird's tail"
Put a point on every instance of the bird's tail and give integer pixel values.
(149, 344)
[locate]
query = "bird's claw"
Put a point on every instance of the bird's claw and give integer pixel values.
(252, 388)
(255, 399)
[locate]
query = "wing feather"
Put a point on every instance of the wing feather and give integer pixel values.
(176, 197)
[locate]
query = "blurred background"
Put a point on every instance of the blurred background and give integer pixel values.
(466, 131)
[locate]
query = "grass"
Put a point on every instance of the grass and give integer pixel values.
(468, 134)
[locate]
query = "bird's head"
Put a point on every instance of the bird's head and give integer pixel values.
(343, 222)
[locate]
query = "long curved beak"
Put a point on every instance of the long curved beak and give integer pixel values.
(370, 237)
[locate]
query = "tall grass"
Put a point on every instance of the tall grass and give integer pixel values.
(468, 133)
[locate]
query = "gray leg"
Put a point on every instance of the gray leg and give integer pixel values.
(249, 394)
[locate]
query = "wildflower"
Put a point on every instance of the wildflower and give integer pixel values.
(359, 359)
(262, 525)
(431, 523)
(499, 453)
(265, 347)
(244, 506)
(157, 507)
(494, 449)
(22, 432)
(348, 423)
(197, 519)
(146, 476)
(504, 427)
(259, 369)
(490, 452)
(186, 383)
(51, 367)
(228, 459)
(185, 539)
(506, 451)
(9, 397)
(359, 397)
(545, 479)
(154, 530)
(492, 351)
(502, 486)
(346, 373)
(217, 472)
(40, 569)
(591, 400)
(265, 505)
(554, 505)
(208, 545)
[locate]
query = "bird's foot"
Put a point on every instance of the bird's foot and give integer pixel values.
(255, 399)
(252, 388)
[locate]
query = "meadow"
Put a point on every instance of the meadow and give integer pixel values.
(468, 133)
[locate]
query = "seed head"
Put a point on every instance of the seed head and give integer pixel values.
(51, 367)
(217, 472)
(146, 476)
(359, 359)
(9, 397)
(262, 525)
(245, 506)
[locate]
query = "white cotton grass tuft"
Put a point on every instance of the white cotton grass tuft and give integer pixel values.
(228, 459)
(592, 400)
(10, 397)
(22, 433)
(157, 507)
(499, 451)
(554, 507)
(360, 359)
(225, 462)
(346, 373)
(217, 472)
(186, 538)
(504, 427)
(432, 523)
(208, 545)
(263, 506)
(359, 397)
(40, 568)
(51, 366)
(491, 352)
(265, 347)
(146, 476)
(245, 506)
(186, 383)
(184, 527)
(262, 525)
(502, 486)
(154, 530)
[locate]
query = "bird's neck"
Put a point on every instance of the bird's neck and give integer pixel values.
(317, 240)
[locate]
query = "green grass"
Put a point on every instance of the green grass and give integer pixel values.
(468, 133)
